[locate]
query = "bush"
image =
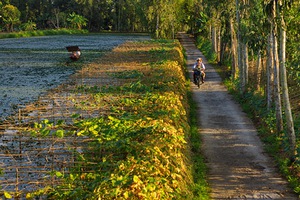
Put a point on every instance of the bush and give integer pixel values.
(206, 48)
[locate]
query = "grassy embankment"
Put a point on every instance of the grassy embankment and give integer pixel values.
(41, 33)
(254, 104)
(144, 146)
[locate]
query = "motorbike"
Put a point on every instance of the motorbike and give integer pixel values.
(198, 77)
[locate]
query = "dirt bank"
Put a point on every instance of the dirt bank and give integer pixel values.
(238, 166)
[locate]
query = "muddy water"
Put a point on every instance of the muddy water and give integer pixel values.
(31, 66)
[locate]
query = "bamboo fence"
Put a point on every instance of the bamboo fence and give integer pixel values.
(27, 161)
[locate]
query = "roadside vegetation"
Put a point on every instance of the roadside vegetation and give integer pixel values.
(144, 146)
(256, 53)
(254, 104)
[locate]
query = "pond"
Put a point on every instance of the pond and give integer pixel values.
(31, 66)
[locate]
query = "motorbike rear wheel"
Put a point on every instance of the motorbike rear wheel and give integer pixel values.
(198, 77)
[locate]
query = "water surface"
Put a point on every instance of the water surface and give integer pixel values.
(31, 66)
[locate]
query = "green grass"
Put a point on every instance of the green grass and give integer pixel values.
(201, 188)
(41, 33)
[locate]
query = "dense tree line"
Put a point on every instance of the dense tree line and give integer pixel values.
(259, 41)
(161, 18)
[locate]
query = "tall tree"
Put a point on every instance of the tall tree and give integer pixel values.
(234, 50)
(270, 71)
(239, 46)
(10, 16)
(162, 17)
(271, 6)
(285, 92)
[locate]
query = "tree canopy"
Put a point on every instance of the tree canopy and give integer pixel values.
(161, 18)
(10, 16)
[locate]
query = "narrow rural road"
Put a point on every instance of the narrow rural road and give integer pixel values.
(238, 166)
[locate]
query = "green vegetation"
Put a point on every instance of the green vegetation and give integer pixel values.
(77, 21)
(42, 33)
(257, 54)
(246, 38)
(10, 16)
(144, 146)
(155, 17)
(201, 188)
(254, 104)
(205, 46)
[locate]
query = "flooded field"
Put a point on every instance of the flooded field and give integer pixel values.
(31, 66)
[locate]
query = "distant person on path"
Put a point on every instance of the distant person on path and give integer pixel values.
(199, 64)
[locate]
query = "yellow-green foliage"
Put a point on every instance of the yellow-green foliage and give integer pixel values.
(139, 150)
(41, 33)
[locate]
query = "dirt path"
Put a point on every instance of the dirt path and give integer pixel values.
(238, 166)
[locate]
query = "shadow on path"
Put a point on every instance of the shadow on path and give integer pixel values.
(238, 166)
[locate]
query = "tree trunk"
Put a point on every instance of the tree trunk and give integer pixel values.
(56, 12)
(239, 45)
(270, 70)
(219, 45)
(222, 52)
(278, 109)
(285, 92)
(245, 65)
(119, 17)
(234, 69)
(157, 26)
(258, 71)
(214, 39)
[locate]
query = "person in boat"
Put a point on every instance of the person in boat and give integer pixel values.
(75, 55)
(75, 52)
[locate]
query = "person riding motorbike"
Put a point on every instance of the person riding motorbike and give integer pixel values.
(199, 64)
